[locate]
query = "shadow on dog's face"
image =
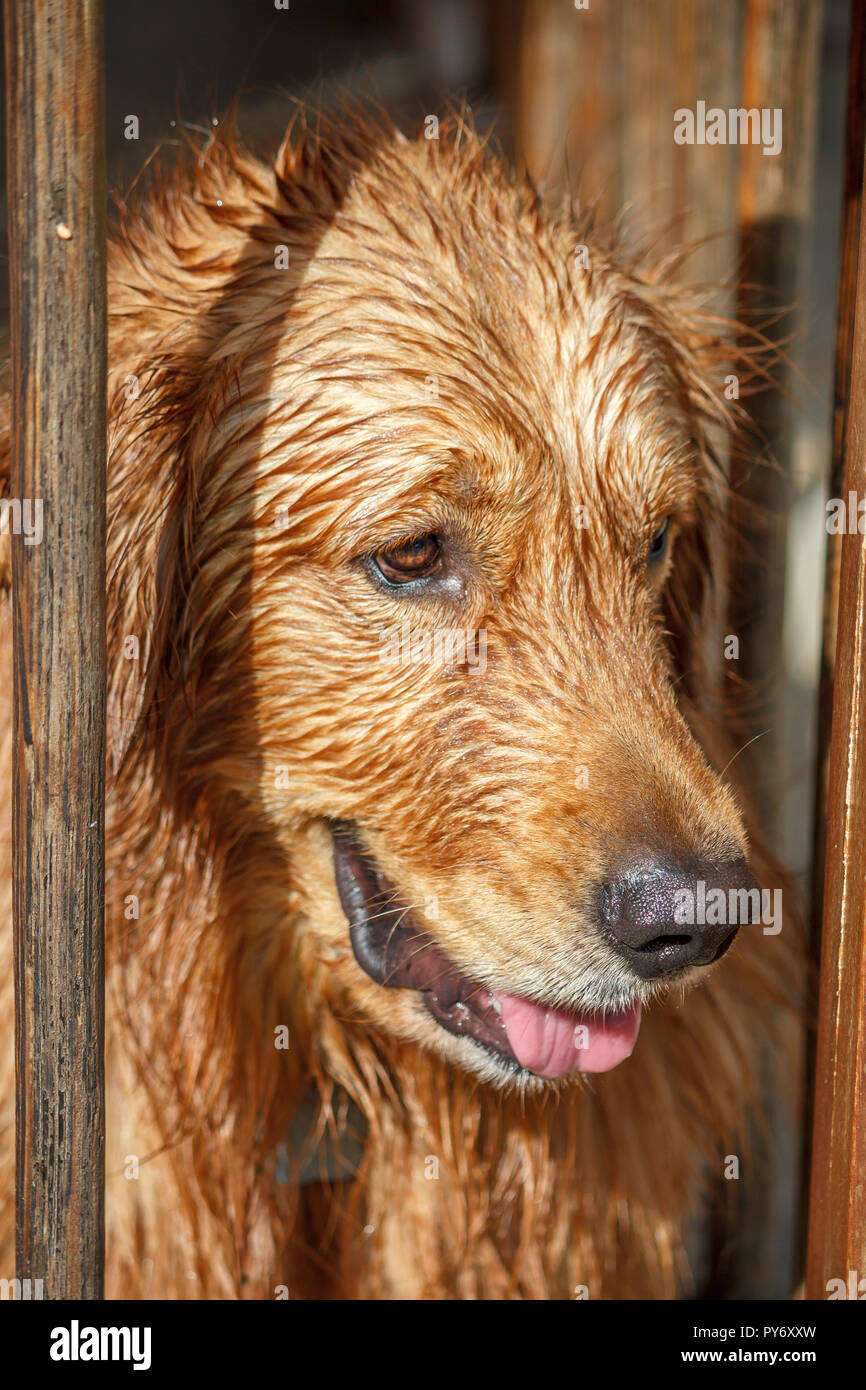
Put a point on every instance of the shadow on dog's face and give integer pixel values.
(477, 614)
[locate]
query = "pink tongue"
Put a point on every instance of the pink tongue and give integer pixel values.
(551, 1042)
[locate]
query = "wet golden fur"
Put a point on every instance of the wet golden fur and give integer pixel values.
(433, 357)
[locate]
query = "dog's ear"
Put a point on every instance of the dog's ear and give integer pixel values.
(694, 603)
(714, 362)
(159, 445)
(180, 259)
(145, 547)
(693, 599)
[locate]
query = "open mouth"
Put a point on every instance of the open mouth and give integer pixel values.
(520, 1033)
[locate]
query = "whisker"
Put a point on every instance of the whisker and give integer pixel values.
(743, 749)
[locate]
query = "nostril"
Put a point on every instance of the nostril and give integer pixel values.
(726, 942)
(659, 942)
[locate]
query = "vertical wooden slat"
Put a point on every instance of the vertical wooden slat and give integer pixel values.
(595, 92)
(852, 199)
(837, 1217)
(780, 53)
(56, 197)
(853, 174)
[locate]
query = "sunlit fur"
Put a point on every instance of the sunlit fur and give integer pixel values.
(435, 357)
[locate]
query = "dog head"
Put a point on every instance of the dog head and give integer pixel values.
(431, 566)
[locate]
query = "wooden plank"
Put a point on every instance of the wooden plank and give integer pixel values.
(852, 198)
(595, 92)
(837, 1218)
(57, 200)
(855, 143)
(780, 52)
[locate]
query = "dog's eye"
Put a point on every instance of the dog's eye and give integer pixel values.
(416, 558)
(659, 543)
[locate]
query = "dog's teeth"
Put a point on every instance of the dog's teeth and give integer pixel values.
(495, 1004)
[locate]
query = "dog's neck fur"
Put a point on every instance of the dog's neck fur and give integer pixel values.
(499, 1195)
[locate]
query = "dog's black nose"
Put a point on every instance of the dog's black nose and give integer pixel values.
(662, 915)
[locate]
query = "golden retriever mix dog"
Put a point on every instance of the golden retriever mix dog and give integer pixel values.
(424, 873)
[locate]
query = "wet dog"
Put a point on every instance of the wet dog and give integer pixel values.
(417, 739)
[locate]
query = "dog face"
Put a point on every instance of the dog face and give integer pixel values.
(467, 454)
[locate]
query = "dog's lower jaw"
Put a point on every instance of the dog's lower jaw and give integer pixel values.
(394, 953)
(466, 1055)
(507, 1039)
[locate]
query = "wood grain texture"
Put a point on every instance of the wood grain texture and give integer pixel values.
(56, 174)
(595, 92)
(837, 1220)
(852, 198)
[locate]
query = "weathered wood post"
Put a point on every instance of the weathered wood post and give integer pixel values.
(837, 1214)
(56, 194)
